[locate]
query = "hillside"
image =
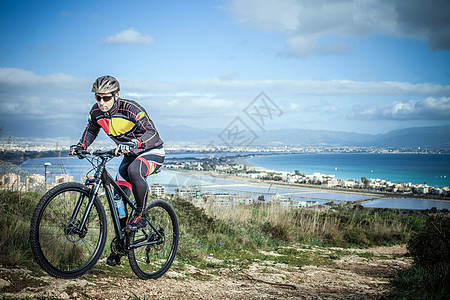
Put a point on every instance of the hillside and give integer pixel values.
(329, 273)
(250, 252)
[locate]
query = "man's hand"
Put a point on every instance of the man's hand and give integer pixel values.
(75, 150)
(124, 148)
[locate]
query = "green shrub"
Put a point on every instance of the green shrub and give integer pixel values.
(276, 231)
(356, 236)
(431, 245)
(413, 222)
(335, 238)
(429, 277)
(196, 221)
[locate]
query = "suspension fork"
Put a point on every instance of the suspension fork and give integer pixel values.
(80, 228)
(93, 191)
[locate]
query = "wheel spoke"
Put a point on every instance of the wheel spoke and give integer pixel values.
(152, 261)
(58, 248)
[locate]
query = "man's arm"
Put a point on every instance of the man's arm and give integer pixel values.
(89, 134)
(149, 135)
(150, 138)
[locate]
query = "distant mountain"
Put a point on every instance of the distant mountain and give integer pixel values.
(425, 137)
(186, 134)
(312, 137)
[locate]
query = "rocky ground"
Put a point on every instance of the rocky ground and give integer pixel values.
(352, 274)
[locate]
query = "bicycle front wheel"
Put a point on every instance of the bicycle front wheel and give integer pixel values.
(60, 247)
(157, 244)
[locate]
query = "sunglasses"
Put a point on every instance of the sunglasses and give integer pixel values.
(104, 98)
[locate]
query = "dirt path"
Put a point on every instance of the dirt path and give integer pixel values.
(354, 274)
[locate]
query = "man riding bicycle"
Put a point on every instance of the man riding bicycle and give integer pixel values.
(129, 126)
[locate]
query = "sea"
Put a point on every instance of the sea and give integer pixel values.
(414, 168)
(432, 169)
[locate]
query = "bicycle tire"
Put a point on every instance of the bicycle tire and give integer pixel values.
(164, 219)
(58, 250)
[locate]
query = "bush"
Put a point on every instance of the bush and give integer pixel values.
(276, 231)
(356, 236)
(431, 245)
(413, 222)
(196, 221)
(335, 238)
(429, 277)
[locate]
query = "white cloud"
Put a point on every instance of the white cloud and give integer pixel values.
(213, 103)
(17, 81)
(290, 87)
(309, 23)
(128, 36)
(24, 93)
(430, 108)
(24, 79)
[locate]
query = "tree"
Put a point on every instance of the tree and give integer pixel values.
(365, 182)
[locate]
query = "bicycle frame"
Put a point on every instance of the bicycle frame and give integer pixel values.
(103, 178)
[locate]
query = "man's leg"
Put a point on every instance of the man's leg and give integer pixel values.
(124, 182)
(145, 164)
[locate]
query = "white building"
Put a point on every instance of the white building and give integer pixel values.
(306, 203)
(331, 182)
(187, 192)
(246, 200)
(10, 180)
(282, 200)
(348, 183)
(221, 200)
(157, 190)
(63, 178)
(35, 179)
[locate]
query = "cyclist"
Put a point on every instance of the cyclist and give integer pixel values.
(125, 121)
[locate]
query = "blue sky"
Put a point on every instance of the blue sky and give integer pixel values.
(361, 66)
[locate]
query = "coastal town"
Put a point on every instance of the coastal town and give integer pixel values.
(220, 162)
(229, 166)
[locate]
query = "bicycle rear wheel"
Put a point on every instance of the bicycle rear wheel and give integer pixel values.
(153, 260)
(57, 246)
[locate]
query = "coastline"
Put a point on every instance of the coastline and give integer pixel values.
(252, 166)
(380, 169)
(318, 188)
(265, 183)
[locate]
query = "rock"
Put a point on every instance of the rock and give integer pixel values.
(4, 283)
(22, 270)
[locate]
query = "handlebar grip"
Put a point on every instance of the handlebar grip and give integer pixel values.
(131, 144)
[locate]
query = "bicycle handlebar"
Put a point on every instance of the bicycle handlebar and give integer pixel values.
(111, 152)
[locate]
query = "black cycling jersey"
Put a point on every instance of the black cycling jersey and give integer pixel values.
(126, 120)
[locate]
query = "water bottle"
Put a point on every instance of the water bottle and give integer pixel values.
(120, 206)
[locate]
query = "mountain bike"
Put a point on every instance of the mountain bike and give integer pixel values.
(69, 227)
